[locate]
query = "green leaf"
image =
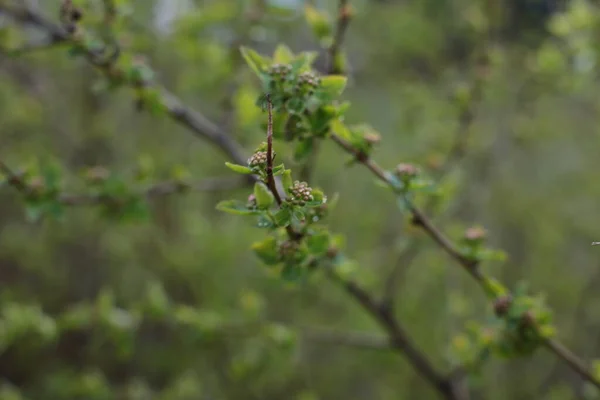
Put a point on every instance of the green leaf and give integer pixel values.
(235, 207)
(318, 195)
(278, 170)
(319, 23)
(240, 169)
(264, 197)
(286, 180)
(267, 251)
(255, 61)
(318, 243)
(303, 62)
(283, 55)
(283, 217)
(332, 86)
(341, 130)
(295, 105)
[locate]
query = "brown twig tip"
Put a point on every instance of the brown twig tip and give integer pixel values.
(269, 169)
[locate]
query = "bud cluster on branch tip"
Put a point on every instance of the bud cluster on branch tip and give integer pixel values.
(280, 70)
(36, 185)
(309, 79)
(258, 159)
(300, 193)
(406, 171)
(372, 138)
(502, 305)
(475, 235)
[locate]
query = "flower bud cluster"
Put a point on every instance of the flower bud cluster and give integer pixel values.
(300, 193)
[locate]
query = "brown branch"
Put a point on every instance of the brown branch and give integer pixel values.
(471, 266)
(343, 20)
(270, 178)
(194, 121)
(159, 189)
(398, 338)
(204, 128)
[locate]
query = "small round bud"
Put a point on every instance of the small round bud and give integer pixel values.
(502, 305)
(332, 252)
(372, 138)
(252, 200)
(475, 234)
(36, 185)
(406, 171)
(528, 319)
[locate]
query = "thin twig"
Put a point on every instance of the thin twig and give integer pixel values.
(194, 121)
(155, 190)
(471, 266)
(399, 340)
(270, 177)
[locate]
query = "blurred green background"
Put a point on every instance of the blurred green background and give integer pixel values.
(177, 307)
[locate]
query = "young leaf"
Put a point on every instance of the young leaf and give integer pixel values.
(264, 197)
(303, 61)
(283, 55)
(255, 61)
(332, 86)
(235, 207)
(240, 169)
(319, 23)
(318, 244)
(286, 179)
(267, 251)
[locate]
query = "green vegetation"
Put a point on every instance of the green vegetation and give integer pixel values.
(355, 253)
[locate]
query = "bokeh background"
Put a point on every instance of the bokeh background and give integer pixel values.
(176, 306)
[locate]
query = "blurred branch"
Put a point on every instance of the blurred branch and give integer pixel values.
(471, 266)
(194, 121)
(453, 158)
(399, 340)
(17, 181)
(202, 127)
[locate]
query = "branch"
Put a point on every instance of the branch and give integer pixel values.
(471, 266)
(270, 177)
(17, 181)
(398, 338)
(194, 121)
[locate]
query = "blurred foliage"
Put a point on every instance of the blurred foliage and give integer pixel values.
(166, 299)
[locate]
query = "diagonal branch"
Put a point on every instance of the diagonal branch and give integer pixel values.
(194, 121)
(17, 181)
(420, 219)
